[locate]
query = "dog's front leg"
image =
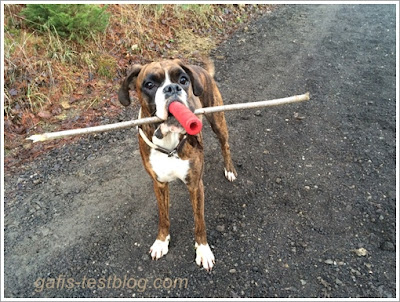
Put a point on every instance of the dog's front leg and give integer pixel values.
(204, 255)
(160, 246)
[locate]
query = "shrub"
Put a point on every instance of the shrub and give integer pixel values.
(72, 21)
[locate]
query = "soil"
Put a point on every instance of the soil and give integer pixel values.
(312, 213)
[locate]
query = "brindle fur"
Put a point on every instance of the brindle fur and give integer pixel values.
(203, 93)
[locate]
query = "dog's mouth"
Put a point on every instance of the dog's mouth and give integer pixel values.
(171, 124)
(171, 120)
(170, 101)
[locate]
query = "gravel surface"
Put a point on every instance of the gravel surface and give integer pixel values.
(312, 213)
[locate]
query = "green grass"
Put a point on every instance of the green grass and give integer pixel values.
(72, 21)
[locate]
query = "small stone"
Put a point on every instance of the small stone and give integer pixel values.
(45, 232)
(296, 115)
(388, 246)
(338, 282)
(329, 261)
(361, 252)
(220, 228)
(257, 113)
(307, 188)
(303, 282)
(278, 180)
(354, 271)
(232, 271)
(392, 195)
(383, 292)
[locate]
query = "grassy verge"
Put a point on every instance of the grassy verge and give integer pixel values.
(53, 83)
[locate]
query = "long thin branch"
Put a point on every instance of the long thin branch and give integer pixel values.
(149, 120)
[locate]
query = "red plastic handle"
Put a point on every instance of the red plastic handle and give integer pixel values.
(186, 118)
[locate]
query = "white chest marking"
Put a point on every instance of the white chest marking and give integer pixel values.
(168, 168)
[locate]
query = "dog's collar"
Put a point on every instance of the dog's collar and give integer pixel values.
(158, 148)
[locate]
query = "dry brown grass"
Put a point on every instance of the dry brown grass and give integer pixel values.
(53, 83)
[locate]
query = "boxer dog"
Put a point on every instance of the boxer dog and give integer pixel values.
(167, 151)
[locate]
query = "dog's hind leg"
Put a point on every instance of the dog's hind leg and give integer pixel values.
(218, 125)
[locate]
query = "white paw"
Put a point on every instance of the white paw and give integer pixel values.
(230, 175)
(159, 248)
(204, 256)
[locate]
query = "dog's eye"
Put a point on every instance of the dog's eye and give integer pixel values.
(149, 85)
(183, 80)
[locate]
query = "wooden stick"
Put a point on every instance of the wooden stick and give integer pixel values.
(149, 120)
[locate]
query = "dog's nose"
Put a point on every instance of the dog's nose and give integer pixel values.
(171, 90)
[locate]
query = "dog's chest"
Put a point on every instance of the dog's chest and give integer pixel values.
(168, 168)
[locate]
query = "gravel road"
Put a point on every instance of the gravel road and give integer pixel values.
(312, 213)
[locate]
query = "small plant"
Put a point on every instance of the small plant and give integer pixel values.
(107, 66)
(72, 21)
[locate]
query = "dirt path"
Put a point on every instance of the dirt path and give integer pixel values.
(316, 181)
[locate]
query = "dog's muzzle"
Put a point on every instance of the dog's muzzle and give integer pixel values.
(166, 95)
(172, 91)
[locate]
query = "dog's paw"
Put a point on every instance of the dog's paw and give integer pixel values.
(159, 248)
(230, 175)
(204, 256)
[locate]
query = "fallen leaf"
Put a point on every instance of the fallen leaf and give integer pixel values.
(44, 114)
(65, 104)
(61, 117)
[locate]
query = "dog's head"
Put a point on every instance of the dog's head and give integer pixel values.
(159, 83)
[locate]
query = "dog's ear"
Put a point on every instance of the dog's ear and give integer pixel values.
(123, 92)
(194, 78)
